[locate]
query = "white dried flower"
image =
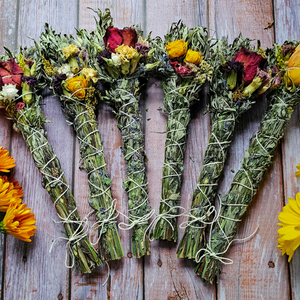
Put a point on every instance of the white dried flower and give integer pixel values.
(9, 92)
(65, 69)
(116, 59)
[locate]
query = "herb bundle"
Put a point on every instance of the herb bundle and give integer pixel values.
(257, 159)
(67, 65)
(20, 96)
(238, 78)
(184, 71)
(123, 64)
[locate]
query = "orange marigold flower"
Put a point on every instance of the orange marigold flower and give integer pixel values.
(77, 84)
(10, 192)
(18, 222)
(6, 162)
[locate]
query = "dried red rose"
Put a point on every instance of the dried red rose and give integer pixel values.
(115, 37)
(10, 73)
(251, 61)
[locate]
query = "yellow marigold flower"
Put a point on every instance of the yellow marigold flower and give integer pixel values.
(6, 162)
(70, 50)
(90, 74)
(297, 173)
(176, 48)
(193, 57)
(10, 192)
(289, 233)
(18, 222)
(293, 70)
(79, 84)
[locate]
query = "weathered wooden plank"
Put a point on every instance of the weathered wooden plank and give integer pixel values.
(33, 14)
(124, 13)
(38, 272)
(8, 26)
(286, 28)
(161, 14)
(126, 280)
(229, 18)
(249, 277)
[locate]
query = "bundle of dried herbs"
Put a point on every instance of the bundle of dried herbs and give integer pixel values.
(123, 64)
(282, 100)
(67, 65)
(20, 95)
(238, 78)
(183, 71)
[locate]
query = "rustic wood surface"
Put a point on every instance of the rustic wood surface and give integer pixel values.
(29, 271)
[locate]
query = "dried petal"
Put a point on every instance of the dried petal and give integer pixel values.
(129, 37)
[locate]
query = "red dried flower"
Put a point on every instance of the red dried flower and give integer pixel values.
(10, 73)
(251, 61)
(115, 37)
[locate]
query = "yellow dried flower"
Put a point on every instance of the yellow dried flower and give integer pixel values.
(125, 53)
(79, 84)
(47, 66)
(289, 233)
(176, 48)
(293, 70)
(90, 74)
(70, 50)
(21, 61)
(193, 57)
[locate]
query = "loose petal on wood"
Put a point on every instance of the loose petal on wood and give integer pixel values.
(287, 28)
(230, 17)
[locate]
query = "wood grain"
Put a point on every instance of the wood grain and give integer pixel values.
(125, 13)
(286, 28)
(8, 24)
(230, 17)
(39, 272)
(33, 14)
(161, 14)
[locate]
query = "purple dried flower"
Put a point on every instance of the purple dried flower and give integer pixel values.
(31, 81)
(57, 82)
(141, 48)
(235, 66)
(105, 54)
(83, 54)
